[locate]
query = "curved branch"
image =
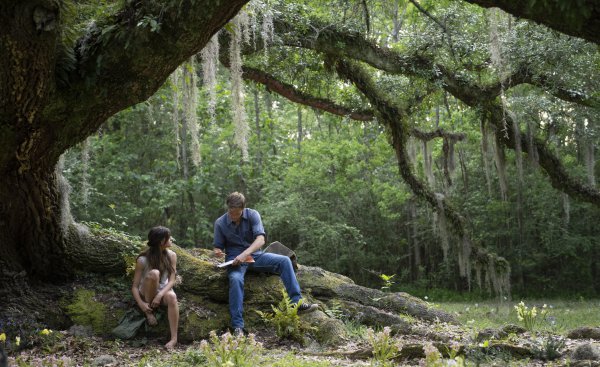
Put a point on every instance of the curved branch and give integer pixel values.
(552, 165)
(394, 119)
(438, 133)
(293, 94)
(123, 61)
(352, 45)
(578, 19)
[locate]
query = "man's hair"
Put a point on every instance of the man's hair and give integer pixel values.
(236, 200)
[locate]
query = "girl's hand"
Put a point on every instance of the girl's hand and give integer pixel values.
(156, 301)
(145, 307)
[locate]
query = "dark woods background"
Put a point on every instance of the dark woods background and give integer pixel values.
(329, 187)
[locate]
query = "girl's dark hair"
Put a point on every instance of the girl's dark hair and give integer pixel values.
(156, 258)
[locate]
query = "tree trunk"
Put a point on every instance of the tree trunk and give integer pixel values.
(54, 95)
(33, 225)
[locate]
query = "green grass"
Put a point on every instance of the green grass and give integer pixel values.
(563, 315)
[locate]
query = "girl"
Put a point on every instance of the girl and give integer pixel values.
(155, 272)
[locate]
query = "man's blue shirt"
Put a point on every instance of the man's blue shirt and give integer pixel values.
(234, 239)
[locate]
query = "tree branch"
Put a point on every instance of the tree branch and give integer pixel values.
(578, 19)
(113, 70)
(394, 119)
(293, 94)
(352, 45)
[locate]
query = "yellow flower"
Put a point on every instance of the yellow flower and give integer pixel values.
(2, 337)
(18, 341)
(45, 332)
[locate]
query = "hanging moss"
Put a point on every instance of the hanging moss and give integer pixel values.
(485, 155)
(64, 190)
(518, 149)
(237, 88)
(210, 57)
(441, 224)
(190, 102)
(500, 160)
(175, 76)
(428, 164)
(590, 163)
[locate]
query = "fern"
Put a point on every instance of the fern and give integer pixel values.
(285, 319)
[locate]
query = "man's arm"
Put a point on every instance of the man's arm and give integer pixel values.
(219, 241)
(255, 246)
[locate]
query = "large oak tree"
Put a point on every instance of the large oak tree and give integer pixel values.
(55, 91)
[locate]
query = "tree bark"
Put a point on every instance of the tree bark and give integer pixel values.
(52, 96)
(578, 19)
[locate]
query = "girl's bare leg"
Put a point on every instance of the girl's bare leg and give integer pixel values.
(149, 291)
(170, 299)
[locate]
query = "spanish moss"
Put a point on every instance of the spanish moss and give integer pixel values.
(210, 57)
(237, 89)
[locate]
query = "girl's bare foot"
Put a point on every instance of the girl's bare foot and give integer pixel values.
(171, 344)
(151, 319)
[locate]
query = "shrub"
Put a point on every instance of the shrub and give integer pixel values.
(230, 350)
(384, 347)
(285, 319)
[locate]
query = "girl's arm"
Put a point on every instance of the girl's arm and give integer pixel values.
(156, 301)
(135, 287)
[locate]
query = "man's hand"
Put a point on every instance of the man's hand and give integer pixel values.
(239, 259)
(218, 252)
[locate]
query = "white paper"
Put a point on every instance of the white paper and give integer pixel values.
(226, 263)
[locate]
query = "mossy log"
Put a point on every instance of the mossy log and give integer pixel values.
(203, 292)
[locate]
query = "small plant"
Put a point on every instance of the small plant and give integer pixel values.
(549, 348)
(433, 357)
(191, 357)
(285, 319)
(355, 329)
(18, 334)
(384, 347)
(50, 341)
(335, 310)
(388, 282)
(292, 361)
(229, 350)
(529, 317)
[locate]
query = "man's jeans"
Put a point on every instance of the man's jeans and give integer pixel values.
(264, 263)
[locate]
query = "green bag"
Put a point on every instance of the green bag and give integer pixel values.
(129, 325)
(132, 321)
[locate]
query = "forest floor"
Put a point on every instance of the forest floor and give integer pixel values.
(63, 349)
(481, 338)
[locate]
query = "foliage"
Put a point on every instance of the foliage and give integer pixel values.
(387, 282)
(433, 357)
(285, 319)
(289, 360)
(335, 310)
(18, 334)
(529, 317)
(328, 187)
(230, 350)
(385, 348)
(84, 310)
(549, 347)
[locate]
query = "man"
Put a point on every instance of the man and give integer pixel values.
(240, 233)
